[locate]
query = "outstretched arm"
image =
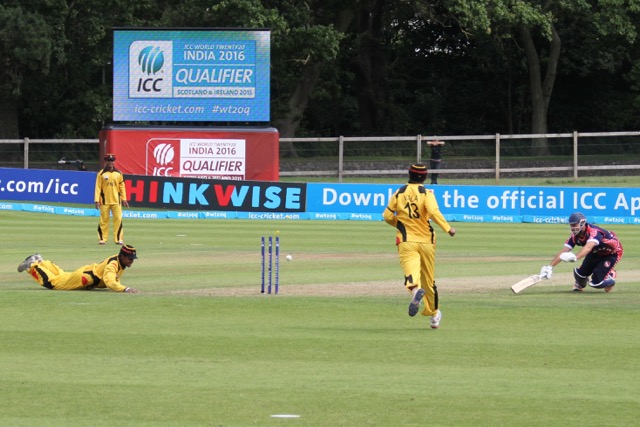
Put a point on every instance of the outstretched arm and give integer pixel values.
(436, 215)
(565, 255)
(110, 277)
(586, 249)
(557, 257)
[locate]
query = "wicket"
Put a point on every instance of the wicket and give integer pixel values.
(272, 275)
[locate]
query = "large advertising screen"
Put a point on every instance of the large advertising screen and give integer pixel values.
(193, 75)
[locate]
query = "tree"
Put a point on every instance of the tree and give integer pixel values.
(75, 99)
(302, 37)
(25, 49)
(539, 28)
(343, 67)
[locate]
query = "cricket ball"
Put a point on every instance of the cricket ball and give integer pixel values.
(289, 257)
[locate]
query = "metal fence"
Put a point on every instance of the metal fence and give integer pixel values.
(475, 156)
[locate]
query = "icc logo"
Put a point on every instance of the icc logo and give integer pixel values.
(151, 60)
(151, 69)
(163, 154)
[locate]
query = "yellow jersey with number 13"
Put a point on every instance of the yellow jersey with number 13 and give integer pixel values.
(410, 210)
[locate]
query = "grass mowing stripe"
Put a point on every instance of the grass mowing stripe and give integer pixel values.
(547, 356)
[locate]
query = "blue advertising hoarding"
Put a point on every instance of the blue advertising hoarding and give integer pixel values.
(191, 75)
(210, 199)
(47, 185)
(487, 203)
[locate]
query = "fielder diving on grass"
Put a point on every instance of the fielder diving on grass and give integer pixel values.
(601, 251)
(410, 211)
(105, 274)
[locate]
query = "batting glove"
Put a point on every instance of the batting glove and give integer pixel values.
(568, 257)
(546, 271)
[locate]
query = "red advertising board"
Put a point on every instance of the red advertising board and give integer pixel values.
(206, 153)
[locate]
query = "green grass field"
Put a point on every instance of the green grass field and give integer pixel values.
(201, 346)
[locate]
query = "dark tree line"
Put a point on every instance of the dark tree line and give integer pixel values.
(349, 67)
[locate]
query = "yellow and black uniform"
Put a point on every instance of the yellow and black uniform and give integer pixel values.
(411, 210)
(106, 274)
(110, 195)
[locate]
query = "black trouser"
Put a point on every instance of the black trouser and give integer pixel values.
(434, 164)
(598, 267)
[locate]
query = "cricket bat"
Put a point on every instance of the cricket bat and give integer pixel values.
(526, 283)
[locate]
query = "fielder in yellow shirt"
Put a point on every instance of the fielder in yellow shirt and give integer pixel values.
(106, 274)
(110, 195)
(411, 210)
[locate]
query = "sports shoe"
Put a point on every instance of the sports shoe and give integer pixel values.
(414, 305)
(577, 288)
(612, 275)
(24, 265)
(101, 242)
(435, 320)
(120, 242)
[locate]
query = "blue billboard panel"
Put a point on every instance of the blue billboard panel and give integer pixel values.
(191, 75)
(487, 203)
(47, 185)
